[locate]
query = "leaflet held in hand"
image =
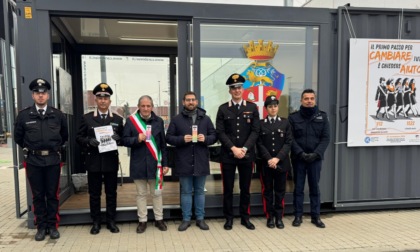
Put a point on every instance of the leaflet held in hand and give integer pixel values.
(104, 135)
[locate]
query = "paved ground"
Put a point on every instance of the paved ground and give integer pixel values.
(361, 231)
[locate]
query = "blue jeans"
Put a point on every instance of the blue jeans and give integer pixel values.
(187, 185)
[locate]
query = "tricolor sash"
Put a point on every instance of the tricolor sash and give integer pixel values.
(140, 125)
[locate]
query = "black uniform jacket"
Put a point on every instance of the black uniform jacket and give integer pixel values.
(276, 141)
(311, 135)
(237, 128)
(95, 161)
(36, 132)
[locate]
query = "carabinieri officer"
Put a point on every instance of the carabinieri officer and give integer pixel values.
(41, 130)
(274, 146)
(101, 166)
(237, 127)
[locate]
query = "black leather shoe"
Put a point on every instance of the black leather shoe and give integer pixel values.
(40, 234)
(279, 223)
(270, 222)
(317, 222)
(141, 227)
(228, 224)
(297, 221)
(54, 234)
(96, 228)
(184, 226)
(112, 227)
(161, 225)
(202, 225)
(247, 224)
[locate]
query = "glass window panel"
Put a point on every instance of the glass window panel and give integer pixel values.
(222, 54)
(129, 78)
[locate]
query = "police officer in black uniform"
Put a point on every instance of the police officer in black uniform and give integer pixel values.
(311, 132)
(101, 166)
(274, 146)
(41, 131)
(237, 127)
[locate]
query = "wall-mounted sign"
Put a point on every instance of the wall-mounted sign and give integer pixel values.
(262, 79)
(28, 12)
(383, 106)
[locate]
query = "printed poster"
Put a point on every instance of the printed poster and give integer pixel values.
(383, 102)
(104, 135)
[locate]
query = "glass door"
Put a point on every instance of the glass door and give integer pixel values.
(129, 77)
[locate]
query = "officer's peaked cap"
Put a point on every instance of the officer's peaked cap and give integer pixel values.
(235, 80)
(39, 85)
(102, 89)
(271, 100)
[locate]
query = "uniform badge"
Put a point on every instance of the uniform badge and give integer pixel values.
(248, 116)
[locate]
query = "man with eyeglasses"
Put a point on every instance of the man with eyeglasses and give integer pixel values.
(191, 132)
(41, 130)
(237, 127)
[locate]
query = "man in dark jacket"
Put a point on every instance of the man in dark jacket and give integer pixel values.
(274, 146)
(41, 130)
(311, 132)
(101, 166)
(144, 133)
(237, 127)
(191, 132)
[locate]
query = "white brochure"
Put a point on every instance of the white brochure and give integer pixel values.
(104, 135)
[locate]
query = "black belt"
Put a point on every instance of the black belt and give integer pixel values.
(42, 152)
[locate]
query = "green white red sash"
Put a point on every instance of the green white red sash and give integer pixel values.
(140, 125)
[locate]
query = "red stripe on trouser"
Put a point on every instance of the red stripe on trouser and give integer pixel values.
(262, 194)
(282, 201)
(30, 187)
(249, 188)
(221, 173)
(57, 194)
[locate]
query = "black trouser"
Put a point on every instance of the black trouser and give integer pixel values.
(44, 182)
(313, 170)
(273, 180)
(228, 175)
(110, 180)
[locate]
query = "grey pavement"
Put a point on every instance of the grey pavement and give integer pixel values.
(394, 230)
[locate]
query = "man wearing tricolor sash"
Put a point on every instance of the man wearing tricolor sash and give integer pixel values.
(144, 133)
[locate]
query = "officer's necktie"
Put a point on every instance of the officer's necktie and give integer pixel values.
(272, 120)
(41, 111)
(238, 106)
(103, 118)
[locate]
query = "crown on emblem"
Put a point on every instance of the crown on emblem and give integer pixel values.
(260, 51)
(271, 93)
(103, 86)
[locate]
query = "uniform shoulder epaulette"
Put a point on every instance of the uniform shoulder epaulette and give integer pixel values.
(25, 108)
